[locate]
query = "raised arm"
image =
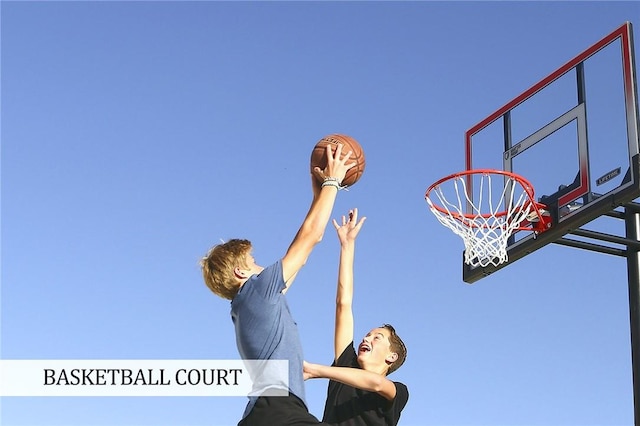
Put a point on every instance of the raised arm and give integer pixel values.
(347, 233)
(356, 377)
(312, 229)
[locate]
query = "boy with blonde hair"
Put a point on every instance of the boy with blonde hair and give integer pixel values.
(264, 327)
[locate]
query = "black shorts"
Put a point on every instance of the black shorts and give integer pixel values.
(280, 411)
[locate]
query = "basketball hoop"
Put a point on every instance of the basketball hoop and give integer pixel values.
(504, 203)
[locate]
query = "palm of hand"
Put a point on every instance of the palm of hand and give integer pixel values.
(350, 227)
(347, 232)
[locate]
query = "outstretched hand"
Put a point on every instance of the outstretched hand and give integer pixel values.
(337, 164)
(348, 231)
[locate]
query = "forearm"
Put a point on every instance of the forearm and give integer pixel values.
(315, 222)
(355, 377)
(319, 213)
(310, 233)
(344, 294)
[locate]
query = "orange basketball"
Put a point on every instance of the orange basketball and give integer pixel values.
(319, 156)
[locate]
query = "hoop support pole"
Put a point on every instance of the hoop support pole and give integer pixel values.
(632, 228)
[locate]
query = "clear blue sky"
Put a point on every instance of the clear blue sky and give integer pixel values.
(135, 135)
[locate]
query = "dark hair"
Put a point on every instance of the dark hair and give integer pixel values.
(397, 346)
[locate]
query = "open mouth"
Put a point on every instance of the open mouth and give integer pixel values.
(363, 348)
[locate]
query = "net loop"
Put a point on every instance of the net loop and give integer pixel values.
(484, 208)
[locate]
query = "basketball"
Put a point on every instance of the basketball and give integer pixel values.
(319, 156)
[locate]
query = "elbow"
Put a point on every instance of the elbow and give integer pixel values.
(377, 384)
(313, 234)
(317, 236)
(383, 387)
(343, 303)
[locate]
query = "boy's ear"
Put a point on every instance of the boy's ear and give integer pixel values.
(239, 272)
(391, 358)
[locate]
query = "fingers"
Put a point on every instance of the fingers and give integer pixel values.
(338, 154)
(350, 226)
(330, 155)
(359, 225)
(337, 225)
(337, 163)
(319, 173)
(353, 215)
(342, 159)
(351, 219)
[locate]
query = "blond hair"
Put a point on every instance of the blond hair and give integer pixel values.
(219, 264)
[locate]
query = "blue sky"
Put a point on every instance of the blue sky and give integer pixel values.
(135, 135)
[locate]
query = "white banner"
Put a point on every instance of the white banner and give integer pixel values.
(143, 377)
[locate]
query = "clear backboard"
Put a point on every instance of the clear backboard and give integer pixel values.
(574, 136)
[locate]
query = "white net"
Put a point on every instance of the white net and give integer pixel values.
(500, 204)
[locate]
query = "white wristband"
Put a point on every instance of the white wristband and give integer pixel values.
(332, 181)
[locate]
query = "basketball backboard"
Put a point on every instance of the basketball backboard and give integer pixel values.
(573, 135)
